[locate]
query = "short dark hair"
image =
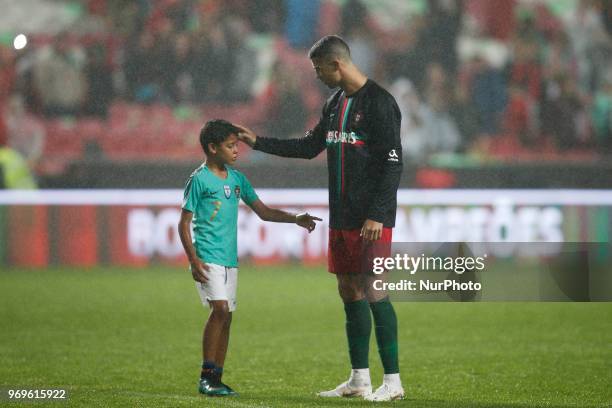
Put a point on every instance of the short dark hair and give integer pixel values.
(216, 131)
(330, 46)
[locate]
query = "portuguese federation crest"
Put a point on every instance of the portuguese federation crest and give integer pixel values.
(237, 192)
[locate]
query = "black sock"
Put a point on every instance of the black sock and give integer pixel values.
(208, 370)
(218, 373)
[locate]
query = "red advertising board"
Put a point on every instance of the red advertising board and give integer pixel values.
(139, 227)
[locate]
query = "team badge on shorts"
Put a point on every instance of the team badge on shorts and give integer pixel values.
(228, 191)
(237, 192)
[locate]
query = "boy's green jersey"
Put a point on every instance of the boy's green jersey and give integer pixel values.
(214, 204)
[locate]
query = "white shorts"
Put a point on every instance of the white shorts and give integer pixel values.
(221, 285)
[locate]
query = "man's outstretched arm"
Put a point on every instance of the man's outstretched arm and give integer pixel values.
(306, 147)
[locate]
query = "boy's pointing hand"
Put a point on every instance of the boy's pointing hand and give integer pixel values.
(307, 221)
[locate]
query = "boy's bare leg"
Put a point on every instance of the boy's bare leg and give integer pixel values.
(214, 348)
(223, 342)
(213, 336)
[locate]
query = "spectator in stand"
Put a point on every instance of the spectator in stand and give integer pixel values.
(165, 43)
(492, 17)
(437, 91)
(602, 115)
(358, 36)
(414, 143)
(128, 16)
(466, 117)
(241, 76)
(7, 73)
(563, 116)
(14, 169)
(267, 16)
(525, 69)
(301, 22)
(590, 43)
(23, 82)
(562, 113)
(441, 131)
(99, 75)
(180, 70)
(213, 59)
(559, 58)
(488, 94)
(354, 13)
(286, 112)
(601, 59)
(178, 11)
(440, 33)
(59, 77)
(363, 48)
(427, 126)
(26, 133)
(606, 15)
(142, 69)
(520, 118)
(406, 58)
(559, 69)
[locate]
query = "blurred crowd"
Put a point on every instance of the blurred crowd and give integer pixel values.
(503, 77)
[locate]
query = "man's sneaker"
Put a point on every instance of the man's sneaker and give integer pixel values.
(386, 392)
(208, 387)
(347, 390)
(230, 391)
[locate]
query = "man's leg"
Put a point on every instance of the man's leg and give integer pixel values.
(385, 321)
(358, 319)
(358, 329)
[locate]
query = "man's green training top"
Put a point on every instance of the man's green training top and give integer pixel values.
(214, 204)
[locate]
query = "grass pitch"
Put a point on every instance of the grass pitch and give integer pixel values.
(131, 337)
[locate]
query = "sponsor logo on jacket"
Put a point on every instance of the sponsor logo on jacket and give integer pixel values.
(336, 136)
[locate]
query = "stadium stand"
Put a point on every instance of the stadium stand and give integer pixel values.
(532, 87)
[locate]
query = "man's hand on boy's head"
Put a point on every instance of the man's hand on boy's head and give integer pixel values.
(307, 221)
(246, 135)
(198, 270)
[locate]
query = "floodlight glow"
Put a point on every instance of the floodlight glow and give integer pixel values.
(20, 42)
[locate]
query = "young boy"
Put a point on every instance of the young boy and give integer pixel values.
(211, 198)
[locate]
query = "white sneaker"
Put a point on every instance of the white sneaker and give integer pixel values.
(347, 390)
(386, 392)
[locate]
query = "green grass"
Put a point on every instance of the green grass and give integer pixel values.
(131, 337)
